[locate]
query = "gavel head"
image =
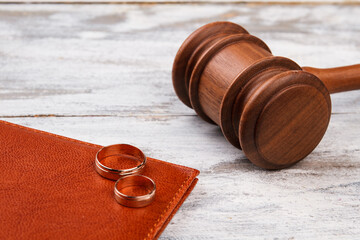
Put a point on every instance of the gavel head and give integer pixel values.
(265, 105)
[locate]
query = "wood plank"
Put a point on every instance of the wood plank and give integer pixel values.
(102, 73)
(292, 2)
(84, 60)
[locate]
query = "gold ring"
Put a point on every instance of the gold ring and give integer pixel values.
(135, 191)
(123, 152)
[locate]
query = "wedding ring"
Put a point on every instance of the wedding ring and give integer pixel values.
(135, 191)
(122, 153)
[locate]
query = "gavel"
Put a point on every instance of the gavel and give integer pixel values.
(268, 106)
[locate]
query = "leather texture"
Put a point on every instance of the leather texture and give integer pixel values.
(50, 190)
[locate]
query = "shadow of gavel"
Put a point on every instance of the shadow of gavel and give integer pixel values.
(270, 107)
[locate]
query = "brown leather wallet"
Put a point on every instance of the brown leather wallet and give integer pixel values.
(50, 190)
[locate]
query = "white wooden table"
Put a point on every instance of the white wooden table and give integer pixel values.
(102, 73)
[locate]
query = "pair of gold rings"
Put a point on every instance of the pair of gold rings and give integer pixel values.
(131, 189)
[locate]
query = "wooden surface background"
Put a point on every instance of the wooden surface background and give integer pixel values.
(102, 73)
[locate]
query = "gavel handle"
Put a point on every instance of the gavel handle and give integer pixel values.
(338, 79)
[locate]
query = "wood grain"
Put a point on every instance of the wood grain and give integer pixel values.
(290, 2)
(102, 73)
(268, 106)
(338, 79)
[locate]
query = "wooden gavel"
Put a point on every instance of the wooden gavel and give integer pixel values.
(272, 109)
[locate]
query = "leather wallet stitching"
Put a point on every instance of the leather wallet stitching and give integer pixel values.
(180, 166)
(182, 190)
